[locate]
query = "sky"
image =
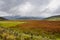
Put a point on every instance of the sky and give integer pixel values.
(30, 8)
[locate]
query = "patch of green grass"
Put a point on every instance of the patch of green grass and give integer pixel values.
(9, 23)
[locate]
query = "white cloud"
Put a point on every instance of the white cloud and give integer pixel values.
(53, 5)
(23, 9)
(36, 8)
(4, 14)
(1, 3)
(48, 10)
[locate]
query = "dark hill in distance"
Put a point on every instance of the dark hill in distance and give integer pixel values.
(2, 18)
(22, 18)
(53, 18)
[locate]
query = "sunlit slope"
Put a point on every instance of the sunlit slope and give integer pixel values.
(53, 18)
(9, 23)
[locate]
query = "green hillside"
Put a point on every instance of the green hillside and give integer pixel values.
(53, 18)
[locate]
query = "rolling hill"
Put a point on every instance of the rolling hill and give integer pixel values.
(53, 18)
(2, 18)
(22, 18)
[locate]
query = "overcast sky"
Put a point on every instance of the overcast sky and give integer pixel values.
(35, 8)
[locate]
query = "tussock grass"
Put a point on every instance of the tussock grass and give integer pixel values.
(12, 30)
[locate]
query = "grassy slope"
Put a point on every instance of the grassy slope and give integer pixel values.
(53, 18)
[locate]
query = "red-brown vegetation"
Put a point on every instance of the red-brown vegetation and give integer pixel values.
(46, 25)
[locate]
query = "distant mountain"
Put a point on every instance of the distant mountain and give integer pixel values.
(57, 17)
(22, 18)
(1, 18)
(31, 18)
(11, 17)
(54, 18)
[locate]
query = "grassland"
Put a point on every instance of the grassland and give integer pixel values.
(30, 30)
(9, 23)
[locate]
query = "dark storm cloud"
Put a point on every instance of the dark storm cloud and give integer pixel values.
(10, 4)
